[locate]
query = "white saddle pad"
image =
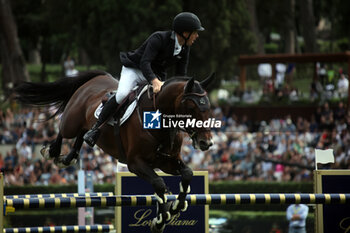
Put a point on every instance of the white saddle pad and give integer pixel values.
(128, 111)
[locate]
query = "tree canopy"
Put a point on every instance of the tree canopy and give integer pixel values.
(95, 31)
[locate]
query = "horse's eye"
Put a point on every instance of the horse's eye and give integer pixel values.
(190, 105)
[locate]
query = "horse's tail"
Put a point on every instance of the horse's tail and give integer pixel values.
(55, 93)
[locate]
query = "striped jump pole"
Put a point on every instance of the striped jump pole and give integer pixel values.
(193, 199)
(61, 229)
(101, 194)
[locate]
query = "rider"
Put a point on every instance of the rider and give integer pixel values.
(149, 62)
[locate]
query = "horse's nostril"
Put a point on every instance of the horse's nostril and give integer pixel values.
(204, 145)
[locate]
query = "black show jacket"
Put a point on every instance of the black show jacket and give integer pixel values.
(155, 55)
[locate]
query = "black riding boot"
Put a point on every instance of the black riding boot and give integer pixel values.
(108, 110)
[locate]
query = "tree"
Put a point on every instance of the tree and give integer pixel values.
(289, 29)
(254, 24)
(13, 63)
(336, 13)
(226, 36)
(307, 21)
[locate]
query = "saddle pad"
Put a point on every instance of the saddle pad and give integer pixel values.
(128, 111)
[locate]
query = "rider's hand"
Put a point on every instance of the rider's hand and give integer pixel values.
(157, 85)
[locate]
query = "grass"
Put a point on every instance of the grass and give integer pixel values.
(55, 71)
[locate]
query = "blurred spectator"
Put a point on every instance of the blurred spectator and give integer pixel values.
(327, 120)
(264, 71)
(322, 73)
(280, 73)
(296, 215)
(343, 86)
(69, 67)
(248, 96)
(289, 73)
(24, 150)
(316, 90)
(340, 112)
(242, 150)
(294, 95)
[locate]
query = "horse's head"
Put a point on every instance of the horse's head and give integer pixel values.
(195, 103)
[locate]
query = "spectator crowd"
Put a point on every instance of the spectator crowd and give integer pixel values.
(277, 150)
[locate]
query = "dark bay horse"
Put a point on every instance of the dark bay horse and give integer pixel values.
(78, 97)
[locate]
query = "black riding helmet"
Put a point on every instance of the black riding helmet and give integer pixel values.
(186, 22)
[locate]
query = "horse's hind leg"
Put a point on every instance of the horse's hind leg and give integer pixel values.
(54, 150)
(71, 158)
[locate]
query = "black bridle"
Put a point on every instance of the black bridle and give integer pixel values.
(202, 102)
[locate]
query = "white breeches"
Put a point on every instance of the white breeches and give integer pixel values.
(129, 78)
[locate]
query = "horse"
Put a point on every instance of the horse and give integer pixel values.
(76, 99)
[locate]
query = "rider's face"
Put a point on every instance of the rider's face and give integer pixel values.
(192, 38)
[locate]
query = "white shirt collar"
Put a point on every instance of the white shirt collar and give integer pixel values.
(177, 47)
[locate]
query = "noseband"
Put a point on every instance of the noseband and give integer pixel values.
(202, 102)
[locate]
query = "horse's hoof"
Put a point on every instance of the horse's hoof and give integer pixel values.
(69, 162)
(176, 207)
(73, 162)
(154, 226)
(62, 163)
(45, 152)
(167, 209)
(59, 163)
(185, 206)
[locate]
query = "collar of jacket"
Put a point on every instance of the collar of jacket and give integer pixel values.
(173, 34)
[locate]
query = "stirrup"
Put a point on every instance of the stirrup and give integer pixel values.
(91, 137)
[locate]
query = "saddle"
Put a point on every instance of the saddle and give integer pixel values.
(123, 112)
(126, 107)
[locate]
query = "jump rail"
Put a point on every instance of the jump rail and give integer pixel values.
(61, 229)
(102, 194)
(193, 199)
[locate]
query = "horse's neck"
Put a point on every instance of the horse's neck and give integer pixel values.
(168, 99)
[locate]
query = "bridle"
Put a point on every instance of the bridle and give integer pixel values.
(202, 104)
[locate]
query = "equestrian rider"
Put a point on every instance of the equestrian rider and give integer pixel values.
(149, 63)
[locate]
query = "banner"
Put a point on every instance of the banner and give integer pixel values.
(332, 218)
(131, 219)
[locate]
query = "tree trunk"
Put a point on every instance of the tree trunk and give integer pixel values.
(254, 25)
(307, 20)
(13, 64)
(290, 35)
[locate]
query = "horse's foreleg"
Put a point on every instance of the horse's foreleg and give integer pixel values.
(144, 171)
(186, 176)
(73, 154)
(54, 150)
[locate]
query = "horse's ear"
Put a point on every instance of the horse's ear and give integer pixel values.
(205, 83)
(189, 85)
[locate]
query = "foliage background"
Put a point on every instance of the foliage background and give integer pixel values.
(95, 31)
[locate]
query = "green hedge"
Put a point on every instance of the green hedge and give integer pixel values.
(17, 190)
(260, 187)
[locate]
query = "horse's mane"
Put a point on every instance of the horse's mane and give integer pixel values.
(196, 88)
(176, 79)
